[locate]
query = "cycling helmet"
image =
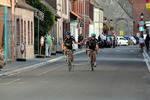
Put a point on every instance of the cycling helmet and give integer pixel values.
(93, 35)
(68, 33)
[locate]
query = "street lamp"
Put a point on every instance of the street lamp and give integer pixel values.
(40, 15)
(142, 16)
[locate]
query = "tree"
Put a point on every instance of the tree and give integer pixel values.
(46, 24)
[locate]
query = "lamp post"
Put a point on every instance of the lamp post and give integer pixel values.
(40, 16)
(142, 16)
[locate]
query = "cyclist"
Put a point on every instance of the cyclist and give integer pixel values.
(92, 45)
(67, 44)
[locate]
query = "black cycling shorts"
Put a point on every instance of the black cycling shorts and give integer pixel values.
(69, 47)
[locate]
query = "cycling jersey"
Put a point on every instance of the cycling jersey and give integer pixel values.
(69, 42)
(92, 43)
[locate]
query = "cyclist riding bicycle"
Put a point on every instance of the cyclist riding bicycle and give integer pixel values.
(92, 45)
(67, 44)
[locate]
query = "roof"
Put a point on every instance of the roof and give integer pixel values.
(72, 12)
(22, 2)
(93, 2)
(51, 8)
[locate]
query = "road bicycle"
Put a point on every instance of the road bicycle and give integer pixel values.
(92, 59)
(69, 60)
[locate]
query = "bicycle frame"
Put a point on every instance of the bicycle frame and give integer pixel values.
(92, 59)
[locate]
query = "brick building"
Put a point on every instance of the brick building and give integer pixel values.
(6, 28)
(62, 8)
(24, 30)
(138, 8)
(78, 8)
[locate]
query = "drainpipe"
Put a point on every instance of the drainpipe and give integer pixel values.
(84, 19)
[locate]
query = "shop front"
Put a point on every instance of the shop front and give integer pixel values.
(5, 32)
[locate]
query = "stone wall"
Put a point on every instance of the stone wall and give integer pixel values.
(119, 13)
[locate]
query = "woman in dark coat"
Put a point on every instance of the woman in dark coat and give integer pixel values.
(147, 42)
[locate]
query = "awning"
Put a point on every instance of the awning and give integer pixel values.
(91, 22)
(72, 12)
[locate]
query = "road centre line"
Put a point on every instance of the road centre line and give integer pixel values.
(51, 70)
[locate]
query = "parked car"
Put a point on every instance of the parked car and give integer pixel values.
(127, 38)
(108, 42)
(122, 41)
(137, 39)
(133, 40)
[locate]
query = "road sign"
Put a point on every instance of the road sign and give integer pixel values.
(147, 6)
(121, 33)
(42, 41)
(141, 23)
(141, 28)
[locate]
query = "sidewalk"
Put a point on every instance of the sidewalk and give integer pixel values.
(14, 67)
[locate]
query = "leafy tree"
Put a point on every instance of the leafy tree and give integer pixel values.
(46, 24)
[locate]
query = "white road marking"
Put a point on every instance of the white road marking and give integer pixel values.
(146, 58)
(118, 50)
(13, 81)
(131, 50)
(50, 70)
(36, 65)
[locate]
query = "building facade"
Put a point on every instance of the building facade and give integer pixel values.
(6, 29)
(98, 18)
(138, 9)
(62, 8)
(24, 30)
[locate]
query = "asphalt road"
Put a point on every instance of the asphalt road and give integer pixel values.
(121, 74)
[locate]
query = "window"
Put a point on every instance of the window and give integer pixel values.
(32, 33)
(28, 33)
(22, 31)
(18, 31)
(25, 32)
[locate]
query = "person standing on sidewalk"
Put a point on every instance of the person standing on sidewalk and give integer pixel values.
(80, 38)
(141, 41)
(147, 41)
(100, 41)
(48, 45)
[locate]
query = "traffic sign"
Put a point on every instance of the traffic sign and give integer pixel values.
(141, 28)
(141, 23)
(42, 41)
(121, 33)
(147, 6)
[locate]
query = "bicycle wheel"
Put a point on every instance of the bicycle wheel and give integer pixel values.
(69, 63)
(92, 62)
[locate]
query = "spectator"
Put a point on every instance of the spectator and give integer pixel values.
(141, 41)
(100, 41)
(48, 46)
(147, 42)
(80, 38)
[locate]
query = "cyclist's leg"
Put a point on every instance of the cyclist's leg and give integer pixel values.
(65, 52)
(71, 56)
(89, 52)
(94, 55)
